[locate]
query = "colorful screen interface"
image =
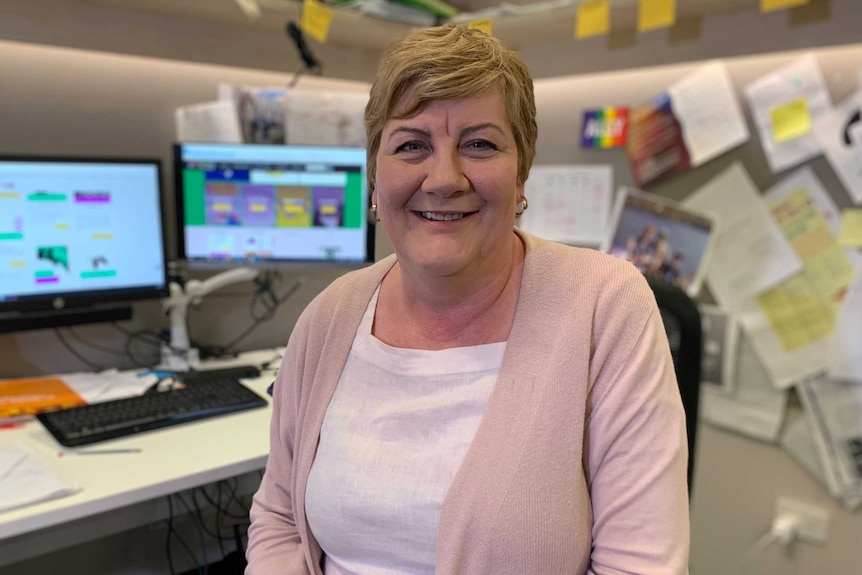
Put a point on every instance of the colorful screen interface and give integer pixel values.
(70, 227)
(261, 203)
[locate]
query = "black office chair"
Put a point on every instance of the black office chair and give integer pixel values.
(682, 323)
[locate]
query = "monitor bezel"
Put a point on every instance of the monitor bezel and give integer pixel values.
(270, 263)
(64, 300)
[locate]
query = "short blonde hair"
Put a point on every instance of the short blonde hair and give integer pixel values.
(445, 63)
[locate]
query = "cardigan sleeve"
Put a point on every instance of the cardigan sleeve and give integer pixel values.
(274, 544)
(636, 443)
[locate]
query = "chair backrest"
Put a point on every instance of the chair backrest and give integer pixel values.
(682, 323)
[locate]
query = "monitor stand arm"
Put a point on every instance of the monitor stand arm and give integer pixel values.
(180, 355)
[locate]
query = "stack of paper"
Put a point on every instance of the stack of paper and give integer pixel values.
(26, 479)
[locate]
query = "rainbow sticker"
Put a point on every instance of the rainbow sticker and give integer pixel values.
(605, 128)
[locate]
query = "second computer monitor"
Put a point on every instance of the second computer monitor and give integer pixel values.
(248, 204)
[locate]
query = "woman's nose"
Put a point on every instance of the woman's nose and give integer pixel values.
(445, 175)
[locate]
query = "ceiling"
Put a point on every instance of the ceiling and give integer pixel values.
(516, 22)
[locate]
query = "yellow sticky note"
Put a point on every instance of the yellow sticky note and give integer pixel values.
(593, 19)
(790, 120)
(484, 25)
(850, 235)
(316, 18)
(654, 14)
(796, 314)
(770, 5)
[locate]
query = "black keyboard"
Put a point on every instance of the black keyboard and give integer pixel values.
(199, 398)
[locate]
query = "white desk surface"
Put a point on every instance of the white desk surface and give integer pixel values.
(171, 459)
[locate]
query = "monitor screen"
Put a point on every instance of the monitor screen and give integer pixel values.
(246, 204)
(79, 232)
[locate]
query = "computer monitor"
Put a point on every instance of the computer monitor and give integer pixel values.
(272, 205)
(80, 240)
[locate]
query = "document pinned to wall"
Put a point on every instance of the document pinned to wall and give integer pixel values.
(569, 203)
(845, 357)
(322, 118)
(25, 478)
(751, 253)
(696, 120)
(208, 122)
(785, 105)
(839, 133)
(753, 407)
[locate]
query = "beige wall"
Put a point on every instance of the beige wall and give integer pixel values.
(65, 101)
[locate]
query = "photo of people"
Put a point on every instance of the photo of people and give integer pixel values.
(660, 237)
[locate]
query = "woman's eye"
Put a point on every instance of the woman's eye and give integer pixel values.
(481, 145)
(411, 146)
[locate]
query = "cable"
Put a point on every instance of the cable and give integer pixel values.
(783, 530)
(74, 352)
(199, 524)
(172, 531)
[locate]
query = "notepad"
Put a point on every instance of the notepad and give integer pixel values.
(25, 478)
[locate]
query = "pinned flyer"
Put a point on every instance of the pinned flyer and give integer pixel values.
(655, 14)
(593, 19)
(771, 5)
(605, 128)
(316, 18)
(484, 25)
(790, 121)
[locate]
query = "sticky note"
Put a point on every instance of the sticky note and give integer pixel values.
(316, 18)
(770, 5)
(484, 25)
(593, 19)
(790, 120)
(654, 14)
(850, 235)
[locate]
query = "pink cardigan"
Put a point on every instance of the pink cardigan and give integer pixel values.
(579, 464)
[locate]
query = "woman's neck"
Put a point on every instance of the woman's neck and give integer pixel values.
(418, 312)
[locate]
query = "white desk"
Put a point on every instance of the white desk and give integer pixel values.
(120, 491)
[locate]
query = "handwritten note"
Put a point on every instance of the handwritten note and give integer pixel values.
(484, 25)
(770, 5)
(656, 14)
(593, 19)
(316, 18)
(790, 120)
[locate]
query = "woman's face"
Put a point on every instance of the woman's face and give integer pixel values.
(447, 185)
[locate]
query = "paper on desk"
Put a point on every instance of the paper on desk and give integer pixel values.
(208, 122)
(753, 407)
(798, 442)
(315, 117)
(569, 204)
(784, 106)
(26, 479)
(834, 411)
(839, 133)
(751, 253)
(710, 116)
(845, 352)
(107, 385)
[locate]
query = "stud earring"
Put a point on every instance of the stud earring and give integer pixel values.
(374, 214)
(522, 206)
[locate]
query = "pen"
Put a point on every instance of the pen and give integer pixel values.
(100, 452)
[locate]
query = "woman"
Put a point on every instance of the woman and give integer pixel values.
(483, 401)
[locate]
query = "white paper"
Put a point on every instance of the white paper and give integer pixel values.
(753, 407)
(799, 79)
(785, 368)
(113, 384)
(325, 118)
(569, 204)
(208, 122)
(751, 253)
(720, 346)
(805, 179)
(709, 114)
(845, 349)
(26, 479)
(839, 133)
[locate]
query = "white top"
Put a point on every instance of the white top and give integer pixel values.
(397, 428)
